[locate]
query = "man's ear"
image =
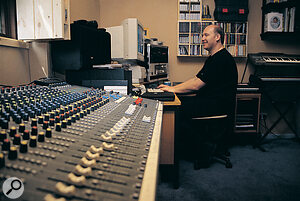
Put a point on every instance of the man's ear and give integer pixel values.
(218, 37)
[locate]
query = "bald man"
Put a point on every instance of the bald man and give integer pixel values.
(215, 84)
(215, 88)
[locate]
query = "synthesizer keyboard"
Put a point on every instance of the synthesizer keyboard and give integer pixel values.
(269, 59)
(76, 143)
(279, 59)
(275, 67)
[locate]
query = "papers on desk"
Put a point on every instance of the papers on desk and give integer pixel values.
(120, 89)
(110, 66)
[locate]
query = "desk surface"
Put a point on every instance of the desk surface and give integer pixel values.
(175, 102)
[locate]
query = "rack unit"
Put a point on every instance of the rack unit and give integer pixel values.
(247, 112)
(280, 18)
(194, 17)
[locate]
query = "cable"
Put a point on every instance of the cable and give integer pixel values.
(29, 65)
(242, 79)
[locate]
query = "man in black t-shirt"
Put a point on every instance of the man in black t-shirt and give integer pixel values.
(215, 84)
(215, 88)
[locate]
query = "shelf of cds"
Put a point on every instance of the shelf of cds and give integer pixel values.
(194, 17)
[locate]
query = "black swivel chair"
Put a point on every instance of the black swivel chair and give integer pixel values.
(213, 139)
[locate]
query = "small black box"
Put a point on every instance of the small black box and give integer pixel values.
(231, 10)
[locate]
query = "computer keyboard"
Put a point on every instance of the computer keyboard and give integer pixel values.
(154, 90)
(158, 94)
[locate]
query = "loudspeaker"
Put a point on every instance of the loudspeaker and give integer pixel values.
(231, 10)
(88, 46)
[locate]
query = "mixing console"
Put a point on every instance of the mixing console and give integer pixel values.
(75, 143)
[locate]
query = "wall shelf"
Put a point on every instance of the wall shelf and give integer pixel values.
(280, 19)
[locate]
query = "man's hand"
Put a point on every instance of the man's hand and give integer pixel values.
(166, 88)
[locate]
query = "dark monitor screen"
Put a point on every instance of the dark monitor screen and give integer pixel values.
(159, 54)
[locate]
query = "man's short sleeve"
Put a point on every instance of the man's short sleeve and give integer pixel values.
(208, 72)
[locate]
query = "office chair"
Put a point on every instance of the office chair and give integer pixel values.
(212, 139)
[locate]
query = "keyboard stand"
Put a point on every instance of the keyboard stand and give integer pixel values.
(282, 116)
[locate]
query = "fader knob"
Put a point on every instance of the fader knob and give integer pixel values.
(45, 125)
(51, 123)
(18, 119)
(88, 163)
(34, 122)
(62, 110)
(40, 120)
(26, 135)
(32, 142)
(64, 124)
(65, 190)
(25, 117)
(78, 180)
(13, 153)
(50, 197)
(48, 133)
(73, 118)
(67, 114)
(41, 137)
(5, 124)
(6, 145)
(38, 112)
(86, 171)
(2, 160)
(17, 139)
(12, 131)
(3, 135)
(92, 108)
(34, 130)
(52, 115)
(69, 121)
(47, 117)
(32, 114)
(24, 146)
(21, 128)
(57, 119)
(58, 127)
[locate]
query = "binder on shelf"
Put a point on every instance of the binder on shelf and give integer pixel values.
(183, 50)
(205, 13)
(292, 19)
(286, 19)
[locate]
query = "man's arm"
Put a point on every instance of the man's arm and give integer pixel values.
(190, 85)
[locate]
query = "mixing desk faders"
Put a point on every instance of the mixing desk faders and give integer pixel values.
(76, 143)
